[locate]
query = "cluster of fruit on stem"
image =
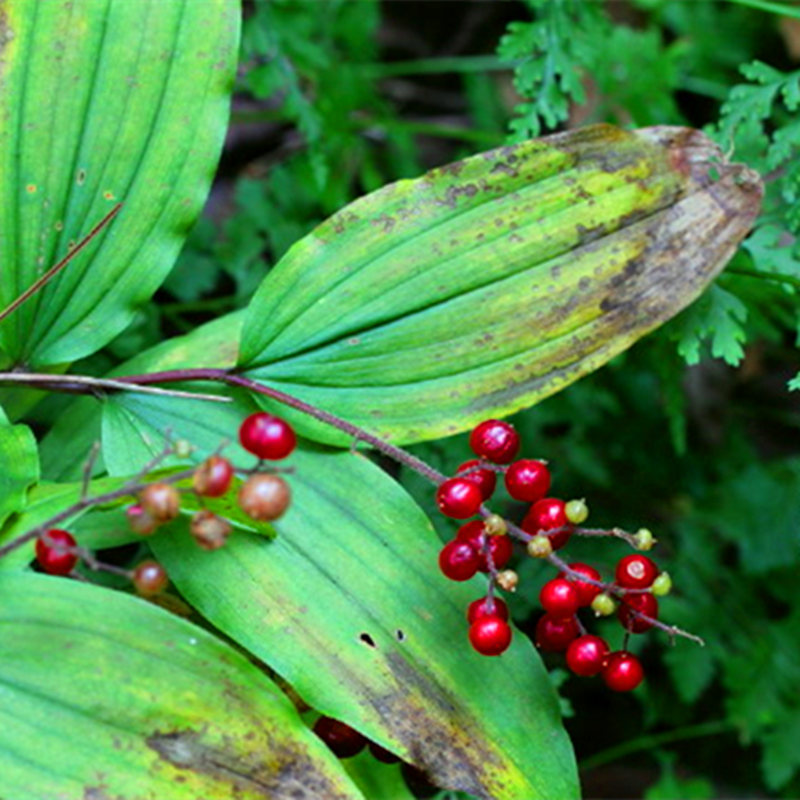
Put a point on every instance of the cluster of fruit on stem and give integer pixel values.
(263, 495)
(484, 545)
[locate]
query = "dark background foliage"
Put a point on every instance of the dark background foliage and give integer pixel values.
(693, 433)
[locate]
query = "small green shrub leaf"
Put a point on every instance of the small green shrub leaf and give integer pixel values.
(20, 466)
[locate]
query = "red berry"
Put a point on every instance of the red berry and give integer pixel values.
(559, 597)
(490, 636)
(343, 740)
(382, 754)
(495, 441)
(267, 437)
(459, 498)
(528, 480)
(554, 634)
(213, 477)
(500, 547)
(586, 655)
(586, 591)
(140, 521)
(478, 609)
(636, 572)
(623, 671)
(161, 501)
(644, 603)
(150, 578)
(545, 515)
(485, 478)
(265, 497)
(52, 555)
(458, 560)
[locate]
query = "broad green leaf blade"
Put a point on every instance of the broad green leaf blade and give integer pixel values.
(486, 285)
(103, 101)
(348, 605)
(20, 466)
(105, 695)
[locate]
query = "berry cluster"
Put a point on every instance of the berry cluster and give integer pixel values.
(263, 496)
(485, 545)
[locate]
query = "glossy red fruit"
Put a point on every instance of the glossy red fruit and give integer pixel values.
(490, 636)
(528, 480)
(458, 498)
(586, 655)
(495, 440)
(213, 477)
(485, 478)
(500, 546)
(586, 591)
(644, 603)
(554, 634)
(560, 598)
(343, 740)
(623, 672)
(545, 515)
(636, 572)
(267, 436)
(458, 560)
(478, 609)
(51, 553)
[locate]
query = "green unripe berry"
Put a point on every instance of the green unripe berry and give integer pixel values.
(183, 448)
(495, 525)
(644, 539)
(577, 511)
(603, 605)
(539, 547)
(662, 585)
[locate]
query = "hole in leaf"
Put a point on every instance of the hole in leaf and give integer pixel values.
(367, 639)
(400, 635)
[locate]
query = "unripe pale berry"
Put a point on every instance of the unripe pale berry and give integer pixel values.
(539, 547)
(662, 585)
(51, 552)
(586, 655)
(603, 605)
(343, 740)
(559, 597)
(209, 531)
(576, 511)
(490, 636)
(495, 440)
(140, 521)
(458, 560)
(150, 578)
(264, 497)
(482, 608)
(213, 477)
(586, 591)
(183, 448)
(554, 634)
(623, 672)
(643, 603)
(458, 498)
(267, 436)
(636, 572)
(528, 480)
(507, 580)
(495, 525)
(644, 539)
(486, 479)
(161, 501)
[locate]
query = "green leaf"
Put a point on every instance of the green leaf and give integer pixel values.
(488, 284)
(20, 466)
(348, 605)
(103, 101)
(105, 695)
